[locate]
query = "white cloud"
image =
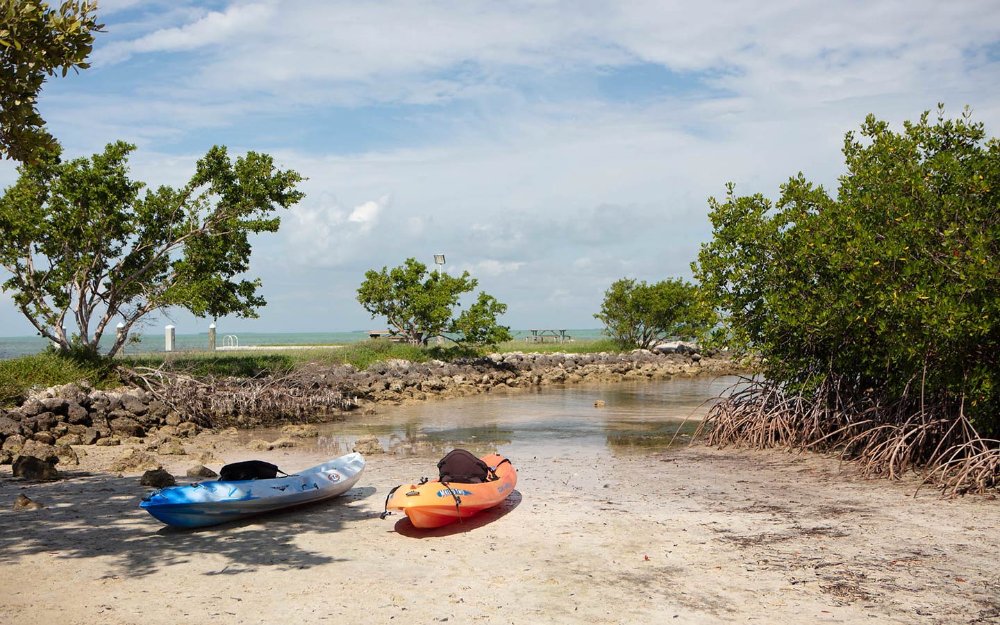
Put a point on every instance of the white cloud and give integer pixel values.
(366, 214)
(324, 234)
(492, 267)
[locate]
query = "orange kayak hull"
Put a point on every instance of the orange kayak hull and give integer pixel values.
(434, 504)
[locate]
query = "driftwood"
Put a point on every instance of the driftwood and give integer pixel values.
(937, 440)
(241, 402)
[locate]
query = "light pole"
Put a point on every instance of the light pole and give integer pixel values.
(439, 261)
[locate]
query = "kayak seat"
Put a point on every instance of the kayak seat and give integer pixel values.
(463, 467)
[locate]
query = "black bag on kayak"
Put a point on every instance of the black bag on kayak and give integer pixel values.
(463, 467)
(248, 470)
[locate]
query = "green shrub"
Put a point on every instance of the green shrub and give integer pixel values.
(891, 286)
(19, 375)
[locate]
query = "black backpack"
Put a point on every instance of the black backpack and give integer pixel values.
(463, 467)
(249, 470)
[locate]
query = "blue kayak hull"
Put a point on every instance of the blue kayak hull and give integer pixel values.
(211, 503)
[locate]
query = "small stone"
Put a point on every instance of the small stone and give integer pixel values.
(201, 471)
(301, 430)
(368, 445)
(23, 502)
(171, 448)
(207, 457)
(157, 478)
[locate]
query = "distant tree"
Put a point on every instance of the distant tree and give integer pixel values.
(636, 314)
(36, 41)
(420, 305)
(83, 243)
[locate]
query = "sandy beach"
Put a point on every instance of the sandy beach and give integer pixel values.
(691, 535)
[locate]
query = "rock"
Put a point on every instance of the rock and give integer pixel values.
(207, 457)
(89, 436)
(67, 456)
(158, 411)
(171, 448)
(126, 426)
(201, 471)
(70, 439)
(77, 414)
(9, 427)
(368, 445)
(31, 408)
(111, 441)
(301, 430)
(157, 478)
(599, 403)
(187, 429)
(13, 443)
(134, 405)
(283, 443)
(133, 460)
(46, 438)
(23, 502)
(259, 445)
(56, 405)
(32, 468)
(42, 451)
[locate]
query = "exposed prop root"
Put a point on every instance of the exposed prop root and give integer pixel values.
(885, 440)
(242, 402)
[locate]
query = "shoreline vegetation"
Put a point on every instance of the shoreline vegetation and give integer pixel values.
(154, 401)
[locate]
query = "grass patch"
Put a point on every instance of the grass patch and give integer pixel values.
(586, 346)
(19, 375)
(243, 365)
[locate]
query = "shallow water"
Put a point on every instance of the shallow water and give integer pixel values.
(641, 416)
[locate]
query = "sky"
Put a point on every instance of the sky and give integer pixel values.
(549, 148)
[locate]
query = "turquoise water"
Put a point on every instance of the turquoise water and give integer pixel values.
(12, 347)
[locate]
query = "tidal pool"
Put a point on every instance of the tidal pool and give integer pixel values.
(608, 419)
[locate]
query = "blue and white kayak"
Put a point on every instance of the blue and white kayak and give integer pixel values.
(210, 503)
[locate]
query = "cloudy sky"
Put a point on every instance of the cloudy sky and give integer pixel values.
(547, 147)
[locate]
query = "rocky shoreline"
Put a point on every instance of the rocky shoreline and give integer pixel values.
(160, 407)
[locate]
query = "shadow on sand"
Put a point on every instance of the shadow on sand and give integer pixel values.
(404, 527)
(98, 516)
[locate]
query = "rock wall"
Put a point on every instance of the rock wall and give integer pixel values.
(60, 417)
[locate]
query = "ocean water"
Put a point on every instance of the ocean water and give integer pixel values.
(12, 347)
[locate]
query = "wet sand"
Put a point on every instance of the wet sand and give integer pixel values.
(689, 535)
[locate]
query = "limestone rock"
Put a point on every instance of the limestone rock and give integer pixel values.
(67, 456)
(42, 451)
(133, 460)
(126, 426)
(368, 445)
(157, 478)
(171, 447)
(23, 502)
(32, 468)
(207, 457)
(201, 471)
(301, 430)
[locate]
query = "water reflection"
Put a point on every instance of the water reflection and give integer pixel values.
(613, 419)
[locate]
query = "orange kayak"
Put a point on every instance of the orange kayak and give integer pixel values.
(434, 504)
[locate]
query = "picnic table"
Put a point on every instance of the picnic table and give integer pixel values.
(541, 336)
